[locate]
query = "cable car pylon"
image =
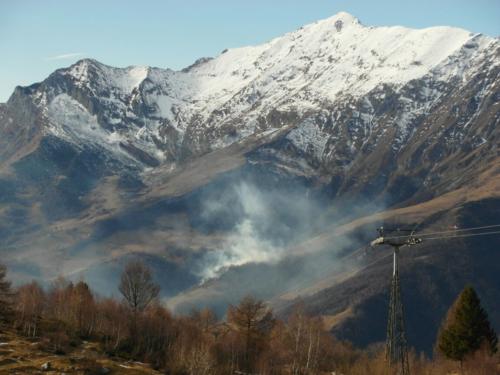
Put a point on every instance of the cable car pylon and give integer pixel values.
(396, 350)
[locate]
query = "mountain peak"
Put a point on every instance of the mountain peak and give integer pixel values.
(345, 17)
(86, 62)
(82, 68)
(340, 20)
(92, 71)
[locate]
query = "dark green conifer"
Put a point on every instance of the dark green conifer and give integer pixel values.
(5, 296)
(466, 328)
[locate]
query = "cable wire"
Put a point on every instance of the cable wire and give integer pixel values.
(463, 235)
(448, 231)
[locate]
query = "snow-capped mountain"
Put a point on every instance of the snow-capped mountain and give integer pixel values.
(151, 116)
(98, 162)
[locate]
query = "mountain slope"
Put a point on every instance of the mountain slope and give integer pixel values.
(246, 157)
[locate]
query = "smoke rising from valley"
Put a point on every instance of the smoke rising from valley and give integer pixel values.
(263, 254)
(247, 243)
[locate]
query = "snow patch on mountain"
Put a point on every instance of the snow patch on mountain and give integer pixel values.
(123, 79)
(309, 138)
(70, 121)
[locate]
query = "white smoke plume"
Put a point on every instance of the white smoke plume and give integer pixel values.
(245, 244)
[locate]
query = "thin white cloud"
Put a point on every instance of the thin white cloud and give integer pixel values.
(65, 56)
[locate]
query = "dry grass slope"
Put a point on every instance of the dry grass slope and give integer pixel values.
(21, 356)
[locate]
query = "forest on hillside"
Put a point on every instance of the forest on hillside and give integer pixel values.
(250, 339)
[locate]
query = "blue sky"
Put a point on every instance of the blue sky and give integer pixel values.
(37, 37)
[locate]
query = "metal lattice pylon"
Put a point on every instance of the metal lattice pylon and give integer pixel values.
(396, 351)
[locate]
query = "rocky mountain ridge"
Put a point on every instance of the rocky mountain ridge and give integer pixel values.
(149, 116)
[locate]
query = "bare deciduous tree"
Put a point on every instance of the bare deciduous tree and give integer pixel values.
(112, 323)
(254, 322)
(205, 319)
(29, 307)
(305, 334)
(137, 286)
(83, 309)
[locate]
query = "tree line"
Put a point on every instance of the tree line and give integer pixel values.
(251, 339)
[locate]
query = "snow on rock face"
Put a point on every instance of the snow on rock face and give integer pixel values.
(72, 122)
(308, 137)
(219, 101)
(123, 79)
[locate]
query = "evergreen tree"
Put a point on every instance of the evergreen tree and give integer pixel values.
(5, 296)
(466, 328)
